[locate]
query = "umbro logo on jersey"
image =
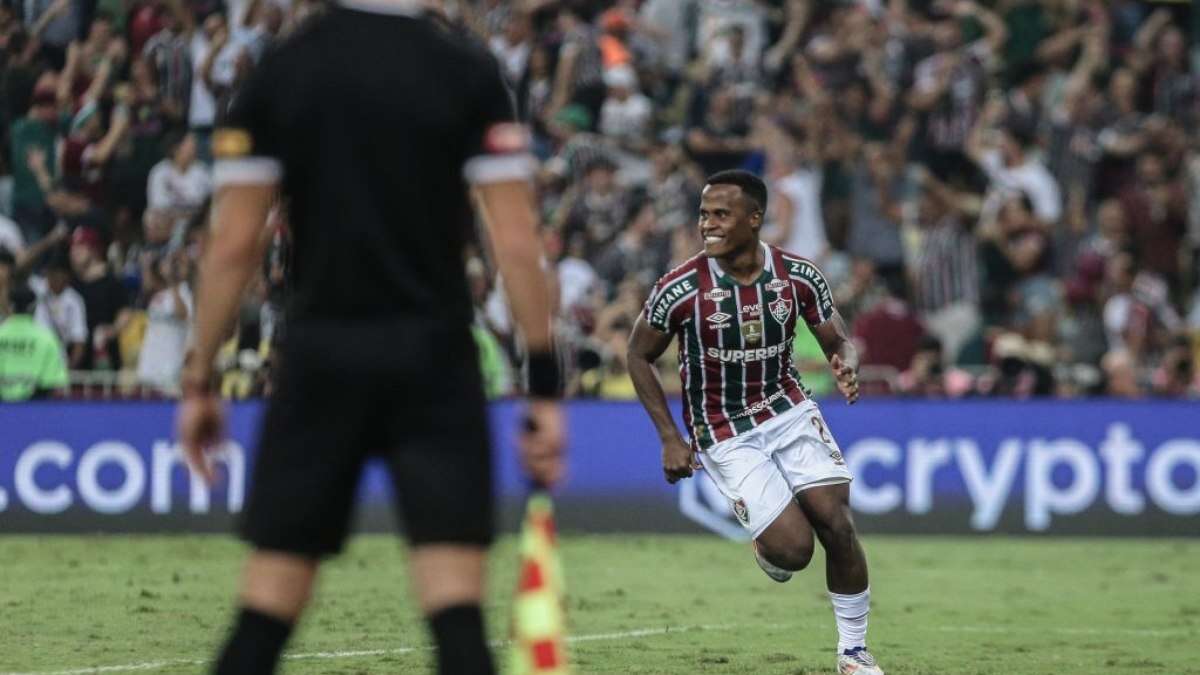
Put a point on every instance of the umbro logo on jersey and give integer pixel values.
(776, 285)
(719, 319)
(717, 294)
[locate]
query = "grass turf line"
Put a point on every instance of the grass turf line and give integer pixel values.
(969, 606)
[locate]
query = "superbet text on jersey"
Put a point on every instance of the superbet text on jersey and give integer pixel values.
(735, 341)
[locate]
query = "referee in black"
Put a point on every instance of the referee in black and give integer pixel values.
(375, 124)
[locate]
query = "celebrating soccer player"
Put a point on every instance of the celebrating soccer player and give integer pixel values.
(753, 426)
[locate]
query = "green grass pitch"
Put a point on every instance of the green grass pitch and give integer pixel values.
(637, 604)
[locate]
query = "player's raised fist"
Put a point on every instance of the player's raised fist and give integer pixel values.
(677, 459)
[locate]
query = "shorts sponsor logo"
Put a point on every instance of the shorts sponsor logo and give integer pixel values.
(719, 319)
(781, 309)
(760, 406)
(740, 510)
(752, 332)
(837, 458)
(776, 285)
(717, 294)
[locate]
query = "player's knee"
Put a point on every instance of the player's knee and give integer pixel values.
(840, 531)
(792, 556)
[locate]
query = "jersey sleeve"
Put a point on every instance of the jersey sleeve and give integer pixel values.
(247, 146)
(666, 308)
(813, 293)
(497, 145)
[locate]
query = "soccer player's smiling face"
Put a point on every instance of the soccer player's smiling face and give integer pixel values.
(728, 221)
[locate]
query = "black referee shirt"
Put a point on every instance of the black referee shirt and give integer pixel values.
(374, 121)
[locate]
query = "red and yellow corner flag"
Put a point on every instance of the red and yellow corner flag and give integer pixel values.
(539, 645)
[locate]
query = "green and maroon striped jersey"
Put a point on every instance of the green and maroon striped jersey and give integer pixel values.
(735, 341)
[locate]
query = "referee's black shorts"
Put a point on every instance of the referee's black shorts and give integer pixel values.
(343, 396)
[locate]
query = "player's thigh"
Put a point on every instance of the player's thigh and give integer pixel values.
(313, 444)
(827, 507)
(804, 449)
(750, 481)
(439, 455)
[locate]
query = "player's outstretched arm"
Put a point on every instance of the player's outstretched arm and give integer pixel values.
(645, 346)
(843, 356)
(507, 210)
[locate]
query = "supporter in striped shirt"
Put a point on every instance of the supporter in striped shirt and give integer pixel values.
(945, 270)
(734, 308)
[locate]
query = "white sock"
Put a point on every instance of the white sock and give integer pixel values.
(851, 611)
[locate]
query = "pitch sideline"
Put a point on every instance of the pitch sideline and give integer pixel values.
(303, 656)
(593, 637)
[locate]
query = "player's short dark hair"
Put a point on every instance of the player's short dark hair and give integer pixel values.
(752, 186)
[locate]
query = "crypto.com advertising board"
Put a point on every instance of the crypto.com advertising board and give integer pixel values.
(1100, 467)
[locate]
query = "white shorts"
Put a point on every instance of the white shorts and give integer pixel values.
(761, 470)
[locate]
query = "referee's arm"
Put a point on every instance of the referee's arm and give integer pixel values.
(506, 207)
(233, 255)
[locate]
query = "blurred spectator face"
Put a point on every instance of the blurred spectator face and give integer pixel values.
(273, 18)
(737, 41)
(58, 278)
(44, 103)
(101, 31)
(83, 254)
(1150, 170)
(621, 82)
(1172, 47)
(721, 104)
(1119, 272)
(1123, 90)
(157, 227)
(665, 159)
(1120, 374)
(141, 73)
(185, 152)
(947, 34)
(728, 220)
(213, 24)
(600, 179)
(539, 63)
(567, 21)
(517, 28)
(853, 100)
(1016, 215)
(1110, 221)
(879, 162)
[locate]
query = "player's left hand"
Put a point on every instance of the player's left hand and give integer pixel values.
(847, 378)
(201, 428)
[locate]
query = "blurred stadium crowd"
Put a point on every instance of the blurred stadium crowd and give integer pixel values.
(1003, 194)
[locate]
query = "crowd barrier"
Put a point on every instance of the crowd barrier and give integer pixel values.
(1057, 467)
